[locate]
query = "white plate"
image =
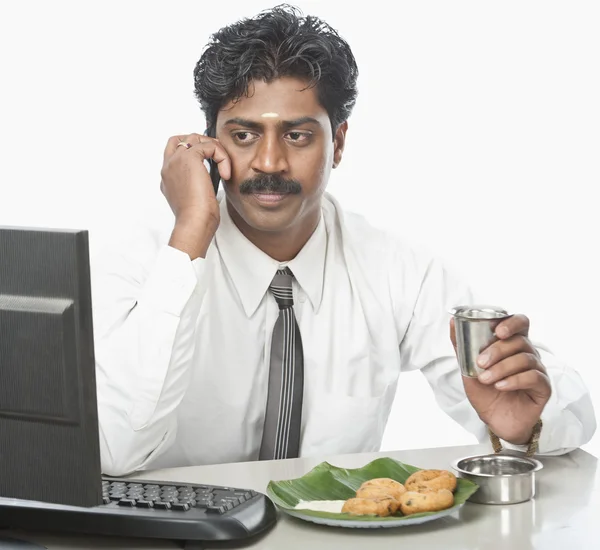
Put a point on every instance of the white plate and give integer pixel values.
(351, 524)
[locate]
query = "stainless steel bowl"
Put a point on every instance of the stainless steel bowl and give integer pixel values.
(502, 479)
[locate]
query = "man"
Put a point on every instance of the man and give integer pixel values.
(269, 323)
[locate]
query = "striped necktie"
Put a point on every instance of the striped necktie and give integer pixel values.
(281, 434)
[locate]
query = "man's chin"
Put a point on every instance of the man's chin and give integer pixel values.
(269, 214)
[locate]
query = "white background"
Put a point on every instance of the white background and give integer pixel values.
(476, 134)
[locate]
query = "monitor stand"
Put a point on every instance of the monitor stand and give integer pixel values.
(8, 543)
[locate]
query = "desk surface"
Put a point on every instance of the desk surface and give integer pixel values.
(564, 514)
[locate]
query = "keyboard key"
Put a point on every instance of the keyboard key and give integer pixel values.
(115, 497)
(162, 505)
(157, 487)
(215, 510)
(127, 502)
(228, 503)
(145, 504)
(180, 506)
(106, 500)
(223, 496)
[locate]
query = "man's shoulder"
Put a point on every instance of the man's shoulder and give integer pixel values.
(370, 242)
(386, 256)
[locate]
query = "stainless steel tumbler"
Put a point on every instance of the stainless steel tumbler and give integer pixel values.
(475, 331)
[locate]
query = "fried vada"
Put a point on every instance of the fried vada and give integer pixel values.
(434, 480)
(412, 502)
(370, 507)
(375, 488)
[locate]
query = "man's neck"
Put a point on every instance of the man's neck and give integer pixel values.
(282, 246)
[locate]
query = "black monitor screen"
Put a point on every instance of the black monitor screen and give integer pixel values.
(49, 448)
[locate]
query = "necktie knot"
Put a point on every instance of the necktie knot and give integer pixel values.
(281, 288)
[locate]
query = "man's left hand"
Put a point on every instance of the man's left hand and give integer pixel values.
(511, 393)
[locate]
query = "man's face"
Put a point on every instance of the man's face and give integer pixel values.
(282, 150)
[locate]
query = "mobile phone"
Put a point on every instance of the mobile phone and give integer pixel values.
(215, 177)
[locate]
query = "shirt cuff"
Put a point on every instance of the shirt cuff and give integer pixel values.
(172, 281)
(547, 444)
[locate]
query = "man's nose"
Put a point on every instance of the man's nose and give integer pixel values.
(271, 156)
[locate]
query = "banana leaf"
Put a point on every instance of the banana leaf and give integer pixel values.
(328, 482)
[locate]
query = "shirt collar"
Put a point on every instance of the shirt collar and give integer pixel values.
(252, 270)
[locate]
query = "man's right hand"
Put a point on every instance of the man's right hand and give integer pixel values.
(186, 184)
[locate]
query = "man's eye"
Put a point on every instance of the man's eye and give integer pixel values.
(298, 136)
(243, 137)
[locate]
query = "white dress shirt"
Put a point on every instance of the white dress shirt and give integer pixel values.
(183, 347)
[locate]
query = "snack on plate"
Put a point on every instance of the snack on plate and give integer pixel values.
(412, 502)
(423, 491)
(374, 488)
(435, 480)
(370, 507)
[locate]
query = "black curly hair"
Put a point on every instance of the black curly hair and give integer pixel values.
(276, 43)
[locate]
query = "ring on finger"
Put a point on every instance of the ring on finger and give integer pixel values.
(184, 144)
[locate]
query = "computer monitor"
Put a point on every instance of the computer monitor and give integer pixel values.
(49, 446)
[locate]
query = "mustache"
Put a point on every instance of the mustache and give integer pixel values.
(270, 183)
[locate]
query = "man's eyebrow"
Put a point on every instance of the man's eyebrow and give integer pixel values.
(299, 122)
(246, 123)
(253, 125)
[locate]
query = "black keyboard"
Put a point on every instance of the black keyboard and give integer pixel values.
(151, 509)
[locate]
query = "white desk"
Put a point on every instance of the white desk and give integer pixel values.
(564, 515)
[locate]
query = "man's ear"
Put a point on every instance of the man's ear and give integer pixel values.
(339, 142)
